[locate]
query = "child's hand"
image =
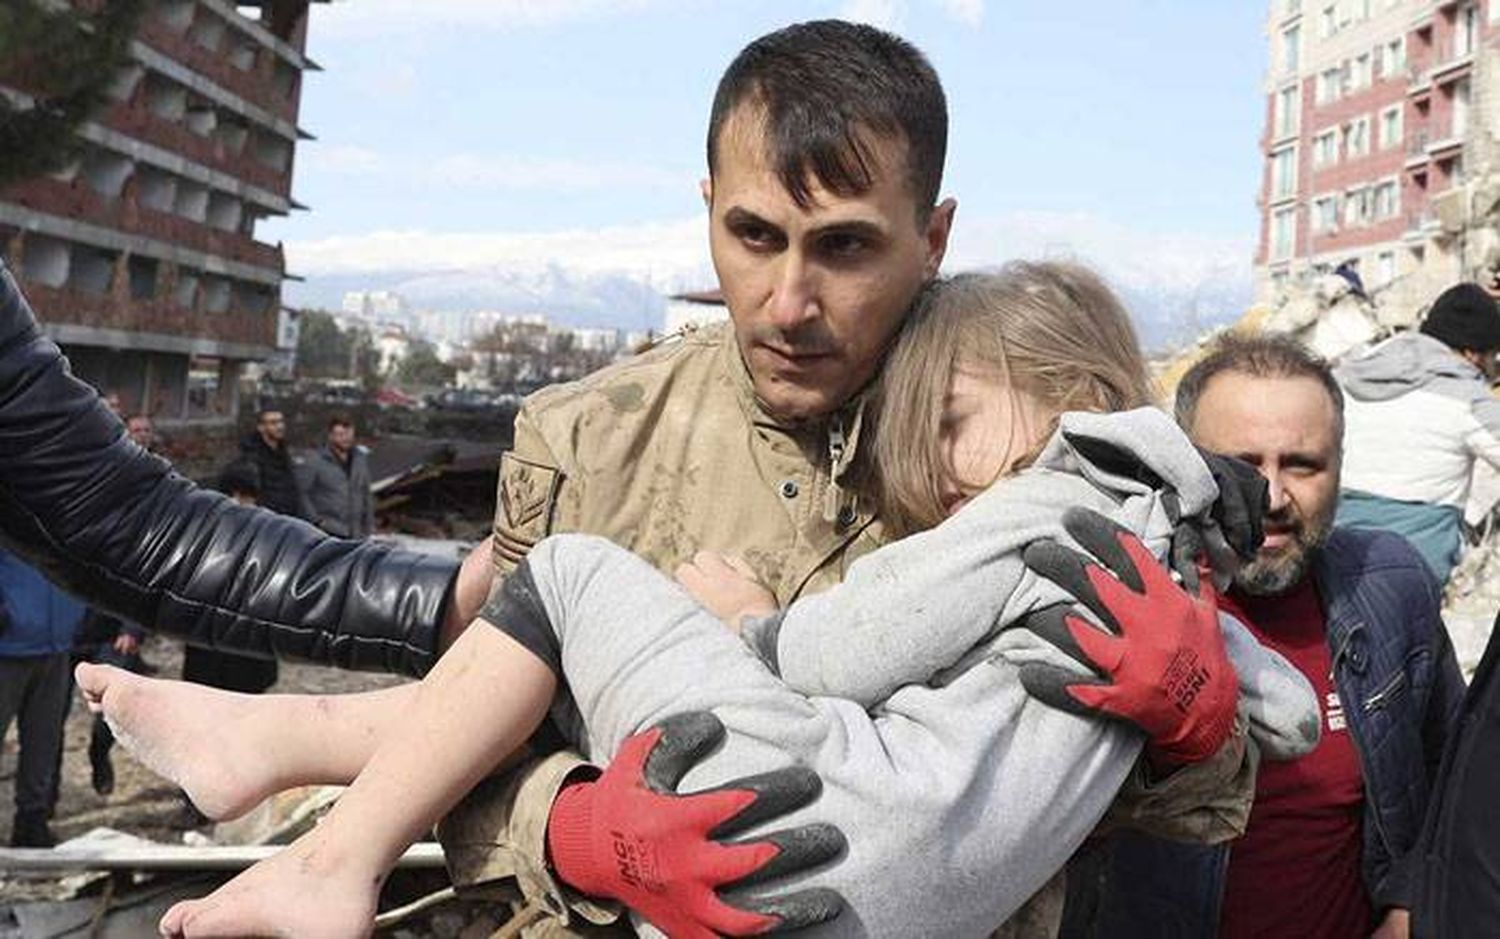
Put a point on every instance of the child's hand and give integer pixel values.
(726, 586)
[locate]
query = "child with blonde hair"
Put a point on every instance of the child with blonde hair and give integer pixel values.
(960, 794)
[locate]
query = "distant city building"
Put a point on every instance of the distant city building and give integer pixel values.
(607, 341)
(393, 345)
(377, 306)
(698, 308)
(1379, 113)
(141, 258)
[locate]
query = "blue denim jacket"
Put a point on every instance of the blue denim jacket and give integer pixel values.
(1396, 673)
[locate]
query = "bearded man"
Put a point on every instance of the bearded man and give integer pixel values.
(1330, 850)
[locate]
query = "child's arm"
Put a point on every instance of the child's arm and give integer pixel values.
(1277, 699)
(916, 607)
(1154, 670)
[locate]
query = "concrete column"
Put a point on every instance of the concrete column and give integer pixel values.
(229, 388)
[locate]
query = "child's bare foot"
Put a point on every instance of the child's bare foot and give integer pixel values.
(209, 742)
(310, 890)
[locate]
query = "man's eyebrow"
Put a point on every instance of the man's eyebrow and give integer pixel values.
(743, 216)
(1309, 460)
(854, 226)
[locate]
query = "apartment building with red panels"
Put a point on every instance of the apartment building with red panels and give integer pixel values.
(1373, 108)
(141, 258)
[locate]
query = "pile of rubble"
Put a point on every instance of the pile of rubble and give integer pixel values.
(1472, 599)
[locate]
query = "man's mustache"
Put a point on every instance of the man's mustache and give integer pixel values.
(813, 339)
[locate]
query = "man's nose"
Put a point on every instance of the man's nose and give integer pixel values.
(1275, 490)
(795, 301)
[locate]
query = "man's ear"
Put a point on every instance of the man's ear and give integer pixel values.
(706, 188)
(939, 225)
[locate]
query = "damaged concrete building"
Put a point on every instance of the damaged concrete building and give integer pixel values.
(1382, 157)
(141, 257)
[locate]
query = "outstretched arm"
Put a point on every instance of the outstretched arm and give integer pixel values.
(119, 528)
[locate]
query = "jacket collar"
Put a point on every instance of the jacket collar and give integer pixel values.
(837, 434)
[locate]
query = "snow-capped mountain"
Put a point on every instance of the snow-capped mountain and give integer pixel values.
(1176, 286)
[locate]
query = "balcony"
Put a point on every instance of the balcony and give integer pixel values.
(1445, 145)
(1420, 78)
(160, 316)
(1454, 60)
(128, 216)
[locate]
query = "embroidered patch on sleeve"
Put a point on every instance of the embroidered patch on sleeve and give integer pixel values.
(523, 514)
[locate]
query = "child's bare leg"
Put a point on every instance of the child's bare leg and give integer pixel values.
(228, 750)
(480, 702)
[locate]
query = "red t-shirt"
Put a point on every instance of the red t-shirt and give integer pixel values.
(1297, 870)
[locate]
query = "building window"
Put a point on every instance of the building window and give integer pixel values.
(1284, 173)
(1329, 81)
(1390, 127)
(1359, 72)
(1395, 56)
(1460, 108)
(1326, 148)
(1326, 214)
(1387, 202)
(1357, 207)
(1283, 233)
(1327, 22)
(1357, 138)
(1465, 31)
(1286, 112)
(1290, 50)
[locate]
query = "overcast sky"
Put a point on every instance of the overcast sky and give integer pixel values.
(459, 132)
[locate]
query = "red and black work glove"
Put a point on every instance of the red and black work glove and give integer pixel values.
(629, 836)
(1160, 663)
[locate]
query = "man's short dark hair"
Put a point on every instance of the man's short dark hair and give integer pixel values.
(1263, 355)
(240, 478)
(260, 416)
(825, 87)
(340, 420)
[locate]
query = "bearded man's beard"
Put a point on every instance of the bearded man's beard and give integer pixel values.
(1269, 576)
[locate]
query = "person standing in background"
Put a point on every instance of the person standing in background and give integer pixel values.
(37, 627)
(265, 447)
(338, 483)
(1426, 396)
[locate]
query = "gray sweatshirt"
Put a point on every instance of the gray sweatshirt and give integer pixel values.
(961, 795)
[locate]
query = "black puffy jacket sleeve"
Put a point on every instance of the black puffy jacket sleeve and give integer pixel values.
(119, 528)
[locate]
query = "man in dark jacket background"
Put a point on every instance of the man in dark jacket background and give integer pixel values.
(265, 447)
(1331, 846)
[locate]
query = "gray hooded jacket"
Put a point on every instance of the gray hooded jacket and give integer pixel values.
(1416, 416)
